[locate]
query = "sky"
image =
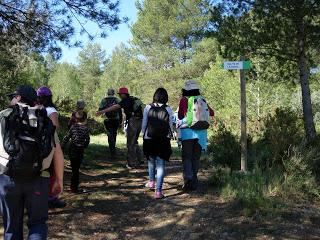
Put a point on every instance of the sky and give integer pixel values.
(114, 38)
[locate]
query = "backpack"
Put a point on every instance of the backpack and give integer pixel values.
(136, 108)
(158, 122)
(198, 113)
(28, 142)
(109, 102)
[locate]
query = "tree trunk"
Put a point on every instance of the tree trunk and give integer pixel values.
(309, 127)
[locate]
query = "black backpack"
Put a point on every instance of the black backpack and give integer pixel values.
(28, 139)
(158, 122)
(109, 102)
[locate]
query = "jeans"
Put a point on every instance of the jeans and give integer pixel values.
(156, 167)
(133, 132)
(191, 153)
(14, 197)
(112, 127)
(76, 158)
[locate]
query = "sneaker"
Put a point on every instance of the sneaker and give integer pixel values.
(128, 166)
(158, 195)
(151, 185)
(79, 191)
(56, 203)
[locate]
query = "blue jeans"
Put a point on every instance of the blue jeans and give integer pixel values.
(191, 153)
(156, 166)
(14, 197)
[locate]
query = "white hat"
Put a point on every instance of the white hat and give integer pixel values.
(191, 85)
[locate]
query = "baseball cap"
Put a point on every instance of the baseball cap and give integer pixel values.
(25, 91)
(44, 92)
(123, 90)
(81, 104)
(110, 92)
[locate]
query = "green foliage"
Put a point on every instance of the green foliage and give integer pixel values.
(224, 149)
(282, 132)
(300, 181)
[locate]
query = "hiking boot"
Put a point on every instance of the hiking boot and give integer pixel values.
(151, 185)
(187, 186)
(56, 203)
(158, 195)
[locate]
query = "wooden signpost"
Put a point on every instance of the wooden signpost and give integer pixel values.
(242, 66)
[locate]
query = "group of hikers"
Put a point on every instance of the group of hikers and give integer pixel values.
(31, 156)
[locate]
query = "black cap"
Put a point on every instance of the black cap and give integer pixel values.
(26, 92)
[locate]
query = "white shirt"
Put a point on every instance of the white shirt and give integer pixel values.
(51, 110)
(145, 120)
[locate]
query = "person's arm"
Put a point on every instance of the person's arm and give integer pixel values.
(211, 111)
(110, 109)
(66, 138)
(58, 163)
(87, 140)
(145, 119)
(102, 105)
(71, 120)
(55, 119)
(170, 120)
(183, 108)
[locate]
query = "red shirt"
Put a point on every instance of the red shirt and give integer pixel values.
(183, 108)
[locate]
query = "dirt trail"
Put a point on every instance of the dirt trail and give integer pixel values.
(120, 208)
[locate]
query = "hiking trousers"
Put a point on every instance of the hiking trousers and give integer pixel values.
(191, 153)
(76, 158)
(15, 196)
(133, 133)
(112, 127)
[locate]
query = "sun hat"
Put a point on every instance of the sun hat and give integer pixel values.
(191, 85)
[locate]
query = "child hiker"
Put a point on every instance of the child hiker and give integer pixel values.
(194, 113)
(80, 139)
(157, 133)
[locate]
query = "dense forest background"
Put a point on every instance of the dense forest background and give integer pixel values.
(177, 40)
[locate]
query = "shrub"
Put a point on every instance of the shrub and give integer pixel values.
(300, 181)
(224, 149)
(282, 131)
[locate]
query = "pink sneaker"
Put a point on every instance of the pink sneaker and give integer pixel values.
(151, 185)
(158, 195)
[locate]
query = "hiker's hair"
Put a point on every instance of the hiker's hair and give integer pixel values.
(82, 119)
(46, 101)
(28, 102)
(160, 96)
(192, 93)
(183, 92)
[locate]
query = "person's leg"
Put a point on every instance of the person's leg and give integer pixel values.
(160, 163)
(131, 143)
(36, 195)
(187, 157)
(108, 127)
(75, 164)
(152, 169)
(197, 150)
(11, 208)
(139, 154)
(113, 137)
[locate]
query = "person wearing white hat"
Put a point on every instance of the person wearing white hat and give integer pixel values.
(193, 131)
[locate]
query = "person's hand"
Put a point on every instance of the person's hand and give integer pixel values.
(57, 187)
(98, 113)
